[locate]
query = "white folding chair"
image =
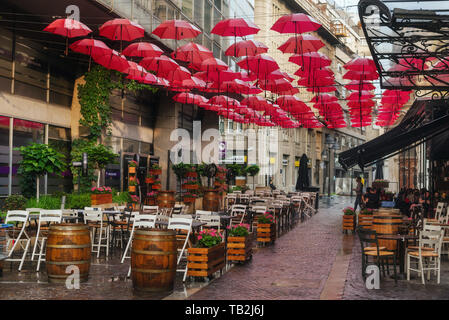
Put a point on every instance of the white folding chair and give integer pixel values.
(46, 217)
(134, 216)
(238, 212)
(140, 221)
(230, 199)
(212, 221)
(20, 216)
(178, 209)
(154, 209)
(94, 218)
(183, 216)
(202, 212)
(427, 260)
(91, 208)
(185, 225)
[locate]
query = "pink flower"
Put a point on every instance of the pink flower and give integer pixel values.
(200, 237)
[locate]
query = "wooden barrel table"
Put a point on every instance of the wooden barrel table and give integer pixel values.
(211, 201)
(388, 211)
(68, 244)
(166, 199)
(153, 259)
(386, 224)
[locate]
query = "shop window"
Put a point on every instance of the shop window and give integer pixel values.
(187, 8)
(4, 155)
(130, 146)
(198, 12)
(5, 61)
(207, 17)
(146, 148)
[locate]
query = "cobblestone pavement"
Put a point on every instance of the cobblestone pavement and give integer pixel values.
(297, 266)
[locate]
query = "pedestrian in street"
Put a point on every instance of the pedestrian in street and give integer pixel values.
(358, 193)
(272, 186)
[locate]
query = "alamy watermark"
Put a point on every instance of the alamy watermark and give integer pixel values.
(73, 280)
(373, 277)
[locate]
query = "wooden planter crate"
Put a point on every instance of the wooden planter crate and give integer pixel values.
(188, 199)
(156, 172)
(190, 186)
(266, 232)
(192, 174)
(240, 248)
(348, 222)
(203, 262)
(156, 186)
(131, 169)
(149, 180)
(365, 220)
(101, 198)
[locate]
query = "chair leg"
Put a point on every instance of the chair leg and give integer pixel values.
(421, 269)
(394, 270)
(41, 253)
(35, 247)
(129, 272)
(408, 267)
(24, 254)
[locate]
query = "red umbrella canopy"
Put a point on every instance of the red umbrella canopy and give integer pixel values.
(222, 75)
(69, 28)
(142, 49)
(112, 60)
(150, 79)
(135, 71)
(288, 101)
(194, 83)
(324, 98)
(121, 29)
(316, 82)
(361, 64)
(178, 75)
(276, 74)
(301, 44)
(276, 85)
(213, 64)
(361, 95)
(176, 29)
(256, 103)
(160, 65)
(193, 53)
(360, 85)
(288, 76)
(311, 60)
(236, 27)
(360, 103)
(260, 64)
(246, 48)
(236, 85)
(190, 98)
(90, 47)
(316, 73)
(361, 76)
(248, 77)
(296, 23)
(322, 89)
(224, 101)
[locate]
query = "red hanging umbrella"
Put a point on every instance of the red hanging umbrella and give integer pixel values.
(177, 76)
(142, 49)
(247, 77)
(301, 44)
(150, 78)
(193, 53)
(254, 90)
(296, 23)
(324, 98)
(360, 103)
(361, 76)
(224, 101)
(315, 73)
(361, 64)
(160, 65)
(236, 27)
(360, 85)
(213, 64)
(322, 89)
(121, 29)
(256, 103)
(246, 48)
(90, 47)
(361, 95)
(112, 60)
(260, 64)
(190, 98)
(68, 28)
(194, 83)
(311, 60)
(176, 29)
(316, 82)
(135, 71)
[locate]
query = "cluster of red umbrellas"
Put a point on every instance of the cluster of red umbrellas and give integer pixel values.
(361, 71)
(391, 104)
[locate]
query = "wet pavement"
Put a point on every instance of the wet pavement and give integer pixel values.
(312, 261)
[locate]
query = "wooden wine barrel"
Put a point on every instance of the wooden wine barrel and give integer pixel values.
(386, 224)
(68, 244)
(153, 259)
(166, 199)
(387, 211)
(211, 201)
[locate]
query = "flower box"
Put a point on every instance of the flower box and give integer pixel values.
(380, 184)
(149, 180)
(188, 199)
(150, 201)
(156, 171)
(203, 262)
(240, 248)
(132, 188)
(348, 222)
(190, 186)
(192, 174)
(365, 220)
(266, 232)
(101, 198)
(156, 186)
(132, 169)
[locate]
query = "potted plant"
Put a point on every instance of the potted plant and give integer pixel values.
(365, 218)
(266, 228)
(253, 170)
(189, 197)
(101, 195)
(132, 166)
(208, 255)
(155, 169)
(156, 184)
(149, 178)
(180, 170)
(134, 200)
(239, 243)
(190, 185)
(191, 173)
(132, 185)
(348, 219)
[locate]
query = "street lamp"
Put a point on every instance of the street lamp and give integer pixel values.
(329, 142)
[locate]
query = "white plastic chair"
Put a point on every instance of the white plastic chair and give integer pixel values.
(94, 218)
(183, 216)
(134, 216)
(22, 237)
(45, 217)
(154, 209)
(186, 225)
(212, 221)
(239, 211)
(202, 212)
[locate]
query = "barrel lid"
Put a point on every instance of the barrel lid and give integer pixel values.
(69, 226)
(155, 232)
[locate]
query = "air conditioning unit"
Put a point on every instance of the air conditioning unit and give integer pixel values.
(285, 162)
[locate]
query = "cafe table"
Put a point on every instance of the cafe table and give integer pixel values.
(401, 241)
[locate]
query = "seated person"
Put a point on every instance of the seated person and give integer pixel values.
(371, 198)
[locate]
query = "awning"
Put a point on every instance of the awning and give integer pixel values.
(416, 126)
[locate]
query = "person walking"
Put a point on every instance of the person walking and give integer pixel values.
(358, 193)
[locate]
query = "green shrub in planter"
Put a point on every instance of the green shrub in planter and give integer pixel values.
(14, 202)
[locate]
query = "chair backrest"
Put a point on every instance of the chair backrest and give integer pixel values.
(237, 192)
(431, 239)
(178, 208)
(259, 209)
(17, 216)
(150, 208)
(180, 224)
(367, 238)
(50, 216)
(69, 212)
(200, 212)
(33, 210)
(211, 220)
(249, 192)
(145, 220)
(120, 208)
(439, 210)
(162, 217)
(183, 216)
(91, 208)
(239, 206)
(93, 215)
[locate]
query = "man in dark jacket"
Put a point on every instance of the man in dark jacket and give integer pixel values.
(358, 193)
